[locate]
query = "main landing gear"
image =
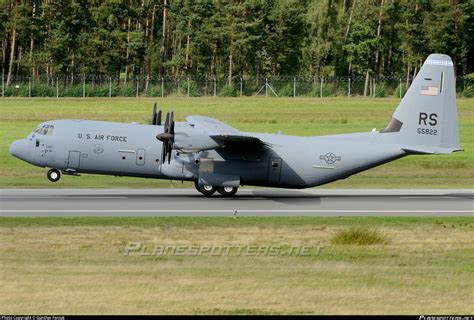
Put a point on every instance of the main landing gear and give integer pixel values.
(208, 190)
(227, 191)
(53, 175)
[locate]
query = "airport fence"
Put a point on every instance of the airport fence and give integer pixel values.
(88, 85)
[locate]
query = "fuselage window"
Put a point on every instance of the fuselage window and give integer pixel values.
(45, 130)
(50, 130)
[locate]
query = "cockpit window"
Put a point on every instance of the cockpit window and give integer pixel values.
(46, 129)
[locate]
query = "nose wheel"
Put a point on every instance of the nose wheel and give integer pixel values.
(53, 175)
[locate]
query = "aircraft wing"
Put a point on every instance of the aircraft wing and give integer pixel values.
(221, 134)
(211, 126)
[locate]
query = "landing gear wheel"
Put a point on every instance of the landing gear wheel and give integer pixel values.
(53, 175)
(206, 190)
(227, 191)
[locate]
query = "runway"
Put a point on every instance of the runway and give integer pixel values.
(247, 202)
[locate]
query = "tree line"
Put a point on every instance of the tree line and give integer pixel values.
(217, 38)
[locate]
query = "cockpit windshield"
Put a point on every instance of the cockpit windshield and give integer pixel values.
(46, 130)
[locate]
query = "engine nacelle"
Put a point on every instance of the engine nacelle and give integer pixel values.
(194, 140)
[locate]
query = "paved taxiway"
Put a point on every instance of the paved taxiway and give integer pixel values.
(247, 202)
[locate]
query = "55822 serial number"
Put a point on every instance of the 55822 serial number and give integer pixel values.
(432, 132)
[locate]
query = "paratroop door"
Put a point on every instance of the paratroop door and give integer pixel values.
(73, 161)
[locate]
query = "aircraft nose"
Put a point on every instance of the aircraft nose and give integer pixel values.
(19, 149)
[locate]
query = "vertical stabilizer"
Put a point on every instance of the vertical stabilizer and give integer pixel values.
(426, 120)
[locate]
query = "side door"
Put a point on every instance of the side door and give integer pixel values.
(74, 160)
(274, 170)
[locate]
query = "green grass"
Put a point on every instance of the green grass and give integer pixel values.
(199, 222)
(78, 266)
(361, 236)
(293, 116)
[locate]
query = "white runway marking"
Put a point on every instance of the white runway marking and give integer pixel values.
(65, 197)
(239, 211)
(429, 197)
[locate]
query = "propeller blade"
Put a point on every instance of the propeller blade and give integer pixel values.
(158, 118)
(169, 154)
(163, 152)
(172, 124)
(172, 129)
(153, 119)
(167, 122)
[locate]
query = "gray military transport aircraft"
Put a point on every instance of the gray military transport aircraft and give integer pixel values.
(220, 158)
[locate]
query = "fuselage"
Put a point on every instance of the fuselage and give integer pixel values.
(131, 149)
(221, 158)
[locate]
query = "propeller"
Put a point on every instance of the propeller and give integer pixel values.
(167, 137)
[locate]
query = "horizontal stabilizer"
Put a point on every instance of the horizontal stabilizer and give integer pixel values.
(429, 150)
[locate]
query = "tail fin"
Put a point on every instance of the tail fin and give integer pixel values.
(426, 119)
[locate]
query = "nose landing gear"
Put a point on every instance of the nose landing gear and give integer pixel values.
(53, 175)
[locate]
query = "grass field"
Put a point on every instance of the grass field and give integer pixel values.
(77, 266)
(293, 116)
